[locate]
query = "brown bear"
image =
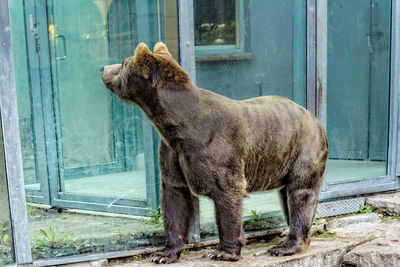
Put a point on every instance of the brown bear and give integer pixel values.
(224, 149)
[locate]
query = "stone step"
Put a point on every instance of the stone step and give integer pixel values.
(385, 203)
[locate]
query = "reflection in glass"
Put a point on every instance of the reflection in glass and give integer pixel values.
(99, 138)
(215, 22)
(358, 89)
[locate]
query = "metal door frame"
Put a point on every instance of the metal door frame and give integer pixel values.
(38, 124)
(377, 184)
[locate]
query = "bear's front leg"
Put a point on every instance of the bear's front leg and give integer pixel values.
(228, 212)
(177, 206)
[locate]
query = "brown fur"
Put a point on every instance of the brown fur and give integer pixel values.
(223, 149)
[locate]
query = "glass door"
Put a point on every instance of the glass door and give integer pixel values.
(92, 151)
(358, 89)
(102, 155)
(90, 141)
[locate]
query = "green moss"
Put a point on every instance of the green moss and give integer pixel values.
(390, 218)
(319, 233)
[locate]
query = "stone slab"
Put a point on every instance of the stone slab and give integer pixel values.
(378, 252)
(388, 203)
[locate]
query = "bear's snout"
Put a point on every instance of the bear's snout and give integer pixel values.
(109, 72)
(111, 69)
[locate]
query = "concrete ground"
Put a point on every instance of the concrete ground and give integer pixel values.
(362, 239)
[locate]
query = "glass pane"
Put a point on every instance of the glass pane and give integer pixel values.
(92, 157)
(6, 244)
(99, 138)
(358, 89)
(215, 22)
(271, 62)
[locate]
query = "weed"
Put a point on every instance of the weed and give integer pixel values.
(208, 248)
(3, 234)
(256, 216)
(138, 257)
(185, 251)
(155, 214)
(320, 221)
(50, 239)
(30, 209)
(365, 209)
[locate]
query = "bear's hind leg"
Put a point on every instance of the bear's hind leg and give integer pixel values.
(228, 212)
(302, 200)
(302, 207)
(177, 206)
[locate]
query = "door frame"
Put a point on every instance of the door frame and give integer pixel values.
(375, 184)
(38, 120)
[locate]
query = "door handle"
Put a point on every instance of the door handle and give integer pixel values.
(62, 37)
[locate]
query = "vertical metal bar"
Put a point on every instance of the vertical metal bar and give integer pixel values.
(186, 37)
(11, 138)
(46, 87)
(394, 130)
(299, 52)
(187, 60)
(322, 59)
(159, 20)
(311, 55)
(152, 194)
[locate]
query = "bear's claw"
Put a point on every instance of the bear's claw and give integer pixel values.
(163, 258)
(282, 250)
(220, 255)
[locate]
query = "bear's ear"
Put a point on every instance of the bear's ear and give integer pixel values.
(161, 49)
(144, 60)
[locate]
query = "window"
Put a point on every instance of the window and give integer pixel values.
(218, 26)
